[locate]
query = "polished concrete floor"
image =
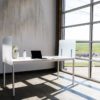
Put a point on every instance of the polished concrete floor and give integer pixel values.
(44, 85)
(81, 70)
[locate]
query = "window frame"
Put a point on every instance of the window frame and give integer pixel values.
(90, 23)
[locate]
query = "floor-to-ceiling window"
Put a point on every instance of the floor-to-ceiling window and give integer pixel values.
(81, 22)
(96, 41)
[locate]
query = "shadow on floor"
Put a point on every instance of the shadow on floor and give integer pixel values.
(32, 86)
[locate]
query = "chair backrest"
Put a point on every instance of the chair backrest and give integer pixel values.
(67, 48)
(7, 50)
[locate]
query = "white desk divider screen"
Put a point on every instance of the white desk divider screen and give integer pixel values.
(67, 48)
(7, 50)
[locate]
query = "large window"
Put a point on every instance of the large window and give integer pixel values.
(96, 14)
(81, 22)
(80, 16)
(77, 33)
(71, 4)
(96, 0)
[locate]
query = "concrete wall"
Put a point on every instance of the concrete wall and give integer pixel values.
(32, 25)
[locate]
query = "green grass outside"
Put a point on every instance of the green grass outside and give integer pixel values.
(82, 64)
(96, 47)
(83, 48)
(69, 64)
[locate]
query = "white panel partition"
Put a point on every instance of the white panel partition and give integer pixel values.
(67, 48)
(7, 50)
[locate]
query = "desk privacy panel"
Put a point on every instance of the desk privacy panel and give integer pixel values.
(7, 50)
(67, 48)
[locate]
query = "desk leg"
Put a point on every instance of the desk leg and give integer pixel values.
(4, 75)
(57, 69)
(73, 78)
(13, 80)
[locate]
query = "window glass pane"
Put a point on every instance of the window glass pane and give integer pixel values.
(70, 4)
(96, 52)
(96, 32)
(96, 0)
(77, 17)
(96, 65)
(80, 33)
(82, 50)
(81, 67)
(97, 12)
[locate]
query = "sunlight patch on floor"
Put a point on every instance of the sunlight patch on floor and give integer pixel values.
(17, 85)
(49, 77)
(1, 89)
(32, 98)
(88, 91)
(67, 95)
(36, 81)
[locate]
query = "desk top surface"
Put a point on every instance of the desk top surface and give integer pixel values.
(45, 58)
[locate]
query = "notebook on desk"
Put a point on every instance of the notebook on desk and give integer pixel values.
(36, 54)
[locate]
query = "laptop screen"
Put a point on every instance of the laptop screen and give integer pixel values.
(36, 54)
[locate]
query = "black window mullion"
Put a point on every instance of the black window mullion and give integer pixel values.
(90, 39)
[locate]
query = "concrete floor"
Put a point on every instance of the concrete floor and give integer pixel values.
(44, 85)
(83, 71)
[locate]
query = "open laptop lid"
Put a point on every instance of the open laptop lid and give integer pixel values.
(36, 54)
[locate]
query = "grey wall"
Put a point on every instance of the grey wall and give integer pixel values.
(32, 25)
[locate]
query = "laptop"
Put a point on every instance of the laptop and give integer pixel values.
(36, 54)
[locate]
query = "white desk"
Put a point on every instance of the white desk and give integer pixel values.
(27, 59)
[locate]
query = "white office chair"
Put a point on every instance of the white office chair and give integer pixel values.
(7, 50)
(6, 54)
